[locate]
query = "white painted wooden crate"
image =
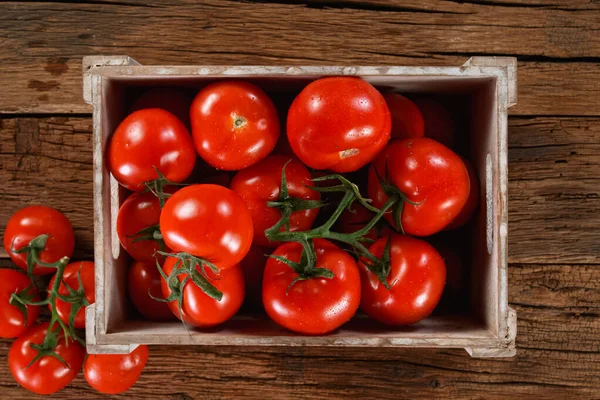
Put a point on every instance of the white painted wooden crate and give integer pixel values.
(487, 330)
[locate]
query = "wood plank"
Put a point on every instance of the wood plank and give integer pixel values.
(554, 184)
(559, 59)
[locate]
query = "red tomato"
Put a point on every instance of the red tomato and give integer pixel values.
(144, 278)
(148, 139)
(140, 211)
(313, 306)
(208, 221)
(439, 124)
(416, 279)
(86, 269)
(47, 375)
(253, 266)
(352, 221)
(234, 124)
(260, 184)
(426, 172)
(173, 100)
(407, 120)
(115, 373)
(338, 123)
(198, 308)
(33, 221)
(470, 206)
(12, 320)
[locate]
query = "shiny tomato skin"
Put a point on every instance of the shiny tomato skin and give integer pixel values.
(208, 221)
(30, 222)
(439, 123)
(470, 206)
(143, 277)
(234, 124)
(115, 373)
(355, 219)
(407, 120)
(47, 375)
(428, 173)
(253, 266)
(173, 100)
(416, 279)
(198, 308)
(12, 321)
(314, 306)
(86, 269)
(338, 123)
(261, 183)
(140, 211)
(148, 139)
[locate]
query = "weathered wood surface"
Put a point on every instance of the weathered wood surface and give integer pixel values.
(554, 172)
(557, 43)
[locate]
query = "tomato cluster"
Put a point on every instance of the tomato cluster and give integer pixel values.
(285, 229)
(46, 356)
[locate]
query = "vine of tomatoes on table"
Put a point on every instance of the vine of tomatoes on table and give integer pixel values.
(240, 223)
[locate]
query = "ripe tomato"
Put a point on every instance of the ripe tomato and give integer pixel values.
(439, 124)
(355, 220)
(140, 211)
(234, 124)
(338, 123)
(314, 306)
(198, 308)
(426, 172)
(148, 139)
(173, 100)
(407, 120)
(208, 221)
(115, 373)
(33, 221)
(47, 375)
(260, 184)
(12, 320)
(253, 266)
(470, 206)
(416, 279)
(86, 269)
(144, 278)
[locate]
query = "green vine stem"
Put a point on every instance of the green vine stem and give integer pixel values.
(75, 297)
(157, 187)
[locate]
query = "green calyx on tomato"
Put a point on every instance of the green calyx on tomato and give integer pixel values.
(33, 250)
(157, 187)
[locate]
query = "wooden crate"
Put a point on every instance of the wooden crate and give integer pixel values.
(486, 329)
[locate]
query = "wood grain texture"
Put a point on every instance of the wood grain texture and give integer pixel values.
(42, 53)
(554, 186)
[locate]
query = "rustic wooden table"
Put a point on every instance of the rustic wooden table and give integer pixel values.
(554, 172)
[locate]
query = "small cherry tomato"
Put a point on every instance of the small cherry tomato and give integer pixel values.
(144, 279)
(416, 279)
(261, 183)
(141, 211)
(200, 310)
(428, 174)
(147, 140)
(12, 320)
(234, 124)
(115, 373)
(47, 375)
(313, 306)
(70, 277)
(338, 123)
(31, 222)
(208, 221)
(470, 206)
(407, 120)
(439, 124)
(173, 100)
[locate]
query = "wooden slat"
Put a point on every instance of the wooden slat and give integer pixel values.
(554, 185)
(42, 53)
